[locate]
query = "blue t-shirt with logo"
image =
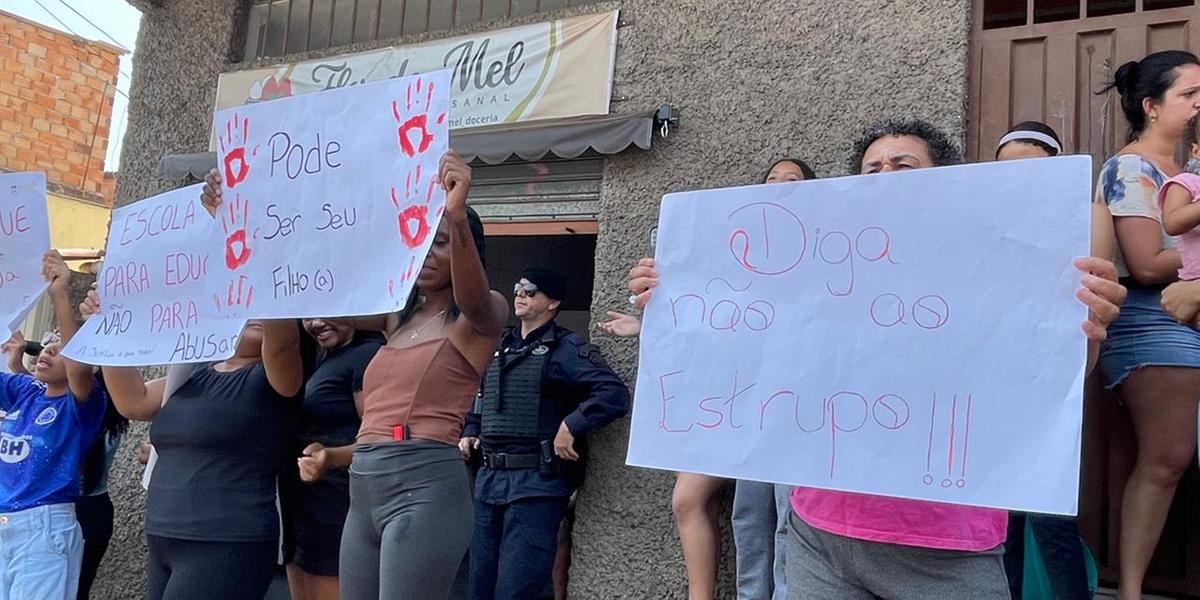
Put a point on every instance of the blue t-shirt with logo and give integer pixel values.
(42, 440)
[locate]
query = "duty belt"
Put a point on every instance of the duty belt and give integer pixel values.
(504, 460)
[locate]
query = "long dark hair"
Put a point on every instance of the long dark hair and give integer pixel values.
(804, 168)
(1151, 77)
(114, 424)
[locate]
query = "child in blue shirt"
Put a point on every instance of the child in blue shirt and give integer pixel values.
(47, 421)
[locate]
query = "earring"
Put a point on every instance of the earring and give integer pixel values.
(1153, 119)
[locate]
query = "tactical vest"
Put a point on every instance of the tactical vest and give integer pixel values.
(512, 392)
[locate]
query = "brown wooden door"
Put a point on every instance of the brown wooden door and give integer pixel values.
(1045, 60)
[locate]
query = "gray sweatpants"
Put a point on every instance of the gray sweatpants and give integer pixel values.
(822, 565)
(759, 518)
(410, 522)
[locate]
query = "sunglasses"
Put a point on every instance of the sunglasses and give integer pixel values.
(525, 289)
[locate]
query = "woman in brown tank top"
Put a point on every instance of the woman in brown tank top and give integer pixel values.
(410, 518)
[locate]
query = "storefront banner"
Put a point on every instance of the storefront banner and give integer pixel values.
(548, 70)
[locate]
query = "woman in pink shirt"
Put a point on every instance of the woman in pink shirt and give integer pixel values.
(856, 546)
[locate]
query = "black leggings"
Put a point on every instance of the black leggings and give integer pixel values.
(410, 522)
(189, 570)
(95, 515)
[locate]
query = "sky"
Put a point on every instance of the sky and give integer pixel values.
(114, 18)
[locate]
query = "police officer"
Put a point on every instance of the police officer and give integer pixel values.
(545, 390)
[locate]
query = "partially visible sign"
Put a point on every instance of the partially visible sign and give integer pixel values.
(151, 288)
(331, 200)
(24, 238)
(560, 68)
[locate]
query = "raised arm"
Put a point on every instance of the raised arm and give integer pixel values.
(133, 396)
(484, 309)
(281, 356)
(54, 269)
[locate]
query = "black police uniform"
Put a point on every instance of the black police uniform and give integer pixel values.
(532, 386)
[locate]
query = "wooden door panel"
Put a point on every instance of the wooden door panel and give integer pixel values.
(1028, 88)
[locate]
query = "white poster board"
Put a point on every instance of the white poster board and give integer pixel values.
(24, 238)
(331, 200)
(151, 288)
(912, 335)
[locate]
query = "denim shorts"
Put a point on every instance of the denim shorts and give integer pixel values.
(1146, 336)
(40, 552)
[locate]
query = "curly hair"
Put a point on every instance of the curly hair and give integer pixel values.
(943, 151)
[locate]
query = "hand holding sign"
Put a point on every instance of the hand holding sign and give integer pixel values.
(643, 278)
(1101, 293)
(210, 195)
(455, 176)
(56, 273)
(15, 344)
(90, 305)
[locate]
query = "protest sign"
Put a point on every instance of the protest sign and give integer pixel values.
(909, 334)
(331, 200)
(24, 239)
(151, 288)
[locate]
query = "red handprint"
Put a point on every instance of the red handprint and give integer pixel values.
(235, 139)
(403, 277)
(413, 213)
(236, 294)
(417, 121)
(237, 244)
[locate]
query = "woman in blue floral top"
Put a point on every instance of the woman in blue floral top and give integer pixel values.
(1151, 359)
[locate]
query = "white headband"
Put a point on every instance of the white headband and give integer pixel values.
(1025, 134)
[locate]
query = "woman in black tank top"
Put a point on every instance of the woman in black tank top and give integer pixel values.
(212, 528)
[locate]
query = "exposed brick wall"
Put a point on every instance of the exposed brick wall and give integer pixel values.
(56, 99)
